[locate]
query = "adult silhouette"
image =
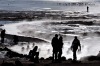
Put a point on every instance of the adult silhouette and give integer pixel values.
(55, 47)
(34, 55)
(2, 36)
(75, 46)
(60, 47)
(87, 8)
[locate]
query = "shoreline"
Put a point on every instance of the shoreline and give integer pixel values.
(25, 39)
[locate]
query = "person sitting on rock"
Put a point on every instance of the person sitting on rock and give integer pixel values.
(34, 55)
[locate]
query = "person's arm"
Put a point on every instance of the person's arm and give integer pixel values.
(30, 52)
(72, 45)
(79, 46)
(52, 41)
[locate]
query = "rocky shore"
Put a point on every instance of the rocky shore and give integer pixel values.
(49, 63)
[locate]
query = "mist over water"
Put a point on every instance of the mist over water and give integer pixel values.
(44, 29)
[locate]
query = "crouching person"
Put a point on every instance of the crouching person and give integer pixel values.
(34, 55)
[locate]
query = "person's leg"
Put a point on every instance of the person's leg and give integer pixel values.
(56, 53)
(59, 55)
(74, 55)
(37, 54)
(1, 40)
(37, 57)
(53, 55)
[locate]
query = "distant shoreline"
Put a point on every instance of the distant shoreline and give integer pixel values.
(38, 15)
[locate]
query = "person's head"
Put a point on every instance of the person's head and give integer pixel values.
(60, 37)
(35, 48)
(75, 37)
(56, 35)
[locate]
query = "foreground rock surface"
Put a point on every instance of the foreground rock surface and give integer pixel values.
(48, 63)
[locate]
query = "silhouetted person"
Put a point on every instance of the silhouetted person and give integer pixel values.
(15, 39)
(2, 36)
(74, 47)
(55, 47)
(34, 55)
(60, 47)
(87, 9)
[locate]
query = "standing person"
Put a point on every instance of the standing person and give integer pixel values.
(55, 47)
(87, 9)
(34, 55)
(2, 36)
(74, 47)
(60, 47)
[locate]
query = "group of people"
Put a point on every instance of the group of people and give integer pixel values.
(57, 45)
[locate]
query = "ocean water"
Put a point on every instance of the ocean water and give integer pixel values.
(54, 5)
